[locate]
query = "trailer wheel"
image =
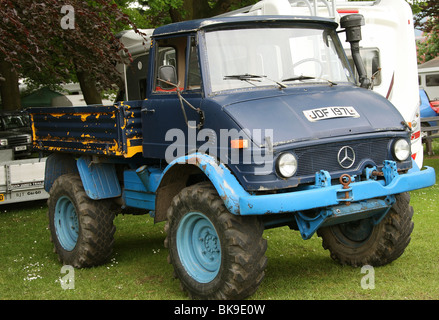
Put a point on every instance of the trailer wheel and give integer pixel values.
(81, 229)
(215, 254)
(362, 243)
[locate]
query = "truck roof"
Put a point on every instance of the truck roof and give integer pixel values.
(195, 25)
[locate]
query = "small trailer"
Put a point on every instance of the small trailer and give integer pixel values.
(21, 180)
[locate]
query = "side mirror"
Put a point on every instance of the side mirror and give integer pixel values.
(167, 77)
(352, 24)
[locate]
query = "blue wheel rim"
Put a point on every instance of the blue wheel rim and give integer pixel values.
(66, 223)
(199, 247)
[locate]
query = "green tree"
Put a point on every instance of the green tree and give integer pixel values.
(428, 48)
(34, 43)
(427, 20)
(166, 11)
(50, 42)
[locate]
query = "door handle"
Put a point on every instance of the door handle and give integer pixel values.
(148, 110)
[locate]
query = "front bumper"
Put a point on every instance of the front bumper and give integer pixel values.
(339, 204)
(322, 195)
(329, 204)
(329, 196)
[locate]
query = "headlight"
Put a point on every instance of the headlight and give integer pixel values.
(286, 165)
(3, 142)
(401, 149)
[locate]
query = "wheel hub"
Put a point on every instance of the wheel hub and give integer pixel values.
(66, 223)
(199, 247)
(210, 243)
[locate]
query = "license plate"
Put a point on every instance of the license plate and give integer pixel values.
(330, 112)
(20, 148)
(2, 197)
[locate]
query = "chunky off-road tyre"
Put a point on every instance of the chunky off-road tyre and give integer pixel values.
(362, 243)
(215, 254)
(82, 229)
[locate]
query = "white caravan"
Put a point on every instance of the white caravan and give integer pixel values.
(429, 78)
(388, 48)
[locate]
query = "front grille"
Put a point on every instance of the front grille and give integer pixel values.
(324, 157)
(18, 140)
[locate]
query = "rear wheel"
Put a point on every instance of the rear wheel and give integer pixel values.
(362, 242)
(216, 255)
(81, 229)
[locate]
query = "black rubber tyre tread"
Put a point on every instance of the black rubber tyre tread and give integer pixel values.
(386, 243)
(96, 228)
(242, 246)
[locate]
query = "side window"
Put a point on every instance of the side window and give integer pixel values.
(176, 64)
(170, 64)
(194, 75)
(432, 80)
(166, 68)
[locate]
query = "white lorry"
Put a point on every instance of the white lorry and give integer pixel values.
(388, 48)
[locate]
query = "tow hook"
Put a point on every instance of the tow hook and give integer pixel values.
(346, 180)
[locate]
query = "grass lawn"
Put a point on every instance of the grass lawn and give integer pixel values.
(297, 269)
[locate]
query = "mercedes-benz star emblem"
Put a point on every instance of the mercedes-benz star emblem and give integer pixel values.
(346, 157)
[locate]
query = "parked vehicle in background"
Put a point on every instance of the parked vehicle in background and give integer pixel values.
(21, 177)
(15, 134)
(429, 121)
(429, 79)
(21, 180)
(426, 108)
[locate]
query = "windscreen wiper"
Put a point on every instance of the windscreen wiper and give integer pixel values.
(244, 77)
(302, 77)
(252, 77)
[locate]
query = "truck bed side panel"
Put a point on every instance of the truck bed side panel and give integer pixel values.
(104, 130)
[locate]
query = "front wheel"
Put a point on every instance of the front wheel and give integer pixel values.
(361, 242)
(215, 254)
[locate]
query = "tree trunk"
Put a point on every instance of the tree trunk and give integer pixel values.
(197, 9)
(88, 88)
(9, 90)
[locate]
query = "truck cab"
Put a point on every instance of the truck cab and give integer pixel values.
(252, 90)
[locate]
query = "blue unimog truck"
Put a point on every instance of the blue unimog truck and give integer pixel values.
(241, 124)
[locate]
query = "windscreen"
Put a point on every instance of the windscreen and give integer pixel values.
(258, 57)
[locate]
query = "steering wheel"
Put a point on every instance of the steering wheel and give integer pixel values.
(314, 60)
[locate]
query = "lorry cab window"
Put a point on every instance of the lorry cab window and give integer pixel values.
(285, 53)
(171, 52)
(166, 56)
(194, 74)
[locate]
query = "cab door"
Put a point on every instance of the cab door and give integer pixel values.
(174, 103)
